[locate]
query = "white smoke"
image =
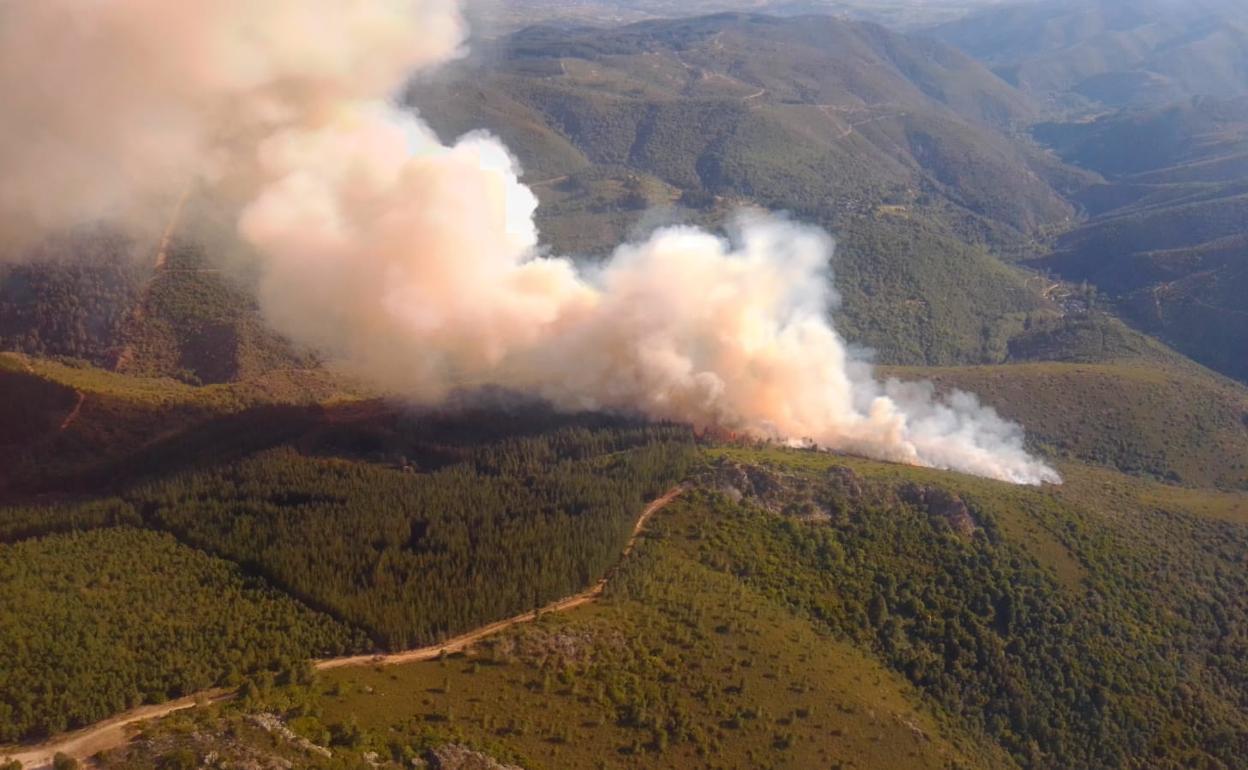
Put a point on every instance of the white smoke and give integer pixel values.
(418, 264)
(112, 107)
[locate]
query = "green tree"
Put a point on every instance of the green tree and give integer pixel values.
(64, 762)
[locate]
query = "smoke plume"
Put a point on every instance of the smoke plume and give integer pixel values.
(417, 263)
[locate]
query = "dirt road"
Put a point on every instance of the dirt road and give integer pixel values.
(459, 643)
(108, 734)
(126, 354)
(113, 733)
(72, 417)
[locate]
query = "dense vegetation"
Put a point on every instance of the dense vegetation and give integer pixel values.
(74, 301)
(799, 613)
(417, 557)
(1167, 237)
(683, 667)
(1094, 673)
(1129, 657)
(94, 296)
(1180, 424)
(201, 324)
(71, 427)
(26, 522)
(789, 613)
(452, 527)
(97, 622)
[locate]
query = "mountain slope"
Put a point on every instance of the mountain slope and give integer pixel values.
(1180, 425)
(803, 610)
(843, 124)
(1168, 238)
(1111, 52)
(99, 297)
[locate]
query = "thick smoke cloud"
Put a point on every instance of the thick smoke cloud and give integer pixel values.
(418, 264)
(113, 107)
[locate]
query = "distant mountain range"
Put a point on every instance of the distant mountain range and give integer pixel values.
(1116, 53)
(919, 158)
(517, 14)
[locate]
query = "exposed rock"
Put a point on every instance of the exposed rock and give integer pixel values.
(919, 733)
(218, 748)
(941, 504)
(272, 723)
(454, 756)
(846, 481)
(552, 648)
(788, 494)
(741, 481)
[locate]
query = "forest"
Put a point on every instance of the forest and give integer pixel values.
(212, 576)
(414, 558)
(98, 622)
(811, 611)
(1140, 653)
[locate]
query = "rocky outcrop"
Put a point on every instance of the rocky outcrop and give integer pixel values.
(847, 482)
(943, 505)
(739, 481)
(786, 493)
(274, 724)
(454, 756)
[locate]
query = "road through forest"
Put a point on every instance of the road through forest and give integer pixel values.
(114, 733)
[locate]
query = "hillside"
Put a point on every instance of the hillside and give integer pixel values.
(218, 550)
(793, 608)
(1180, 425)
(799, 608)
(1198, 139)
(898, 145)
(66, 424)
(896, 14)
(74, 298)
(97, 297)
(902, 147)
(1079, 55)
(1166, 238)
(454, 520)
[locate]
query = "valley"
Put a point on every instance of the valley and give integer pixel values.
(228, 539)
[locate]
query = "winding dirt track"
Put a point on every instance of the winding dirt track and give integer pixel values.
(72, 417)
(460, 643)
(108, 734)
(114, 733)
